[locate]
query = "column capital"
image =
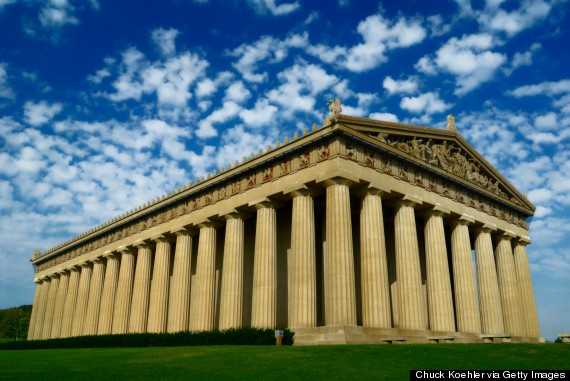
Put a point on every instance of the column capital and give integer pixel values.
(372, 188)
(54, 275)
(161, 237)
(338, 181)
(265, 202)
(73, 268)
(85, 264)
(208, 223)
(523, 240)
(108, 254)
(485, 228)
(435, 210)
(463, 219)
(236, 215)
(96, 260)
(300, 189)
(125, 250)
(144, 243)
(506, 234)
(183, 230)
(408, 200)
(38, 281)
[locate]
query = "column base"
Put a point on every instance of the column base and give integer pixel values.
(342, 334)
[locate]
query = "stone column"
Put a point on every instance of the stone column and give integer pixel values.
(95, 293)
(33, 318)
(38, 327)
(59, 304)
(408, 268)
(202, 312)
(50, 306)
(508, 284)
(70, 302)
(264, 298)
(303, 277)
(158, 305)
(489, 295)
(440, 299)
(525, 285)
(179, 305)
(466, 303)
(82, 299)
(373, 261)
(122, 307)
(105, 322)
(141, 288)
(340, 290)
(231, 296)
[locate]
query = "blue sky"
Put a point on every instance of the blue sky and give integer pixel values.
(105, 105)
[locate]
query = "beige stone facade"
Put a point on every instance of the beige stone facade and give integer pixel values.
(360, 231)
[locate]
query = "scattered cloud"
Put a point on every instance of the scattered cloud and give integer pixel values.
(37, 114)
(543, 88)
(57, 13)
(468, 58)
(379, 36)
(522, 58)
(404, 86)
(429, 103)
(266, 49)
(389, 117)
(263, 7)
(511, 23)
(5, 91)
(165, 40)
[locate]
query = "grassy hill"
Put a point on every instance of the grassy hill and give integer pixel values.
(355, 362)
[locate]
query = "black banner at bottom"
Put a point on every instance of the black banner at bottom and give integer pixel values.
(490, 375)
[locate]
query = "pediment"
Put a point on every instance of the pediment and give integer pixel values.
(443, 151)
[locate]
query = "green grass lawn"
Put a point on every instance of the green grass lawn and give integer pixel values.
(346, 362)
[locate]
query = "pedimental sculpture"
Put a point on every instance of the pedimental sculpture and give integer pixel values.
(361, 231)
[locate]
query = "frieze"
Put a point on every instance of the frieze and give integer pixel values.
(447, 156)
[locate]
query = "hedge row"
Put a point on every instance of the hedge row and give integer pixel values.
(241, 336)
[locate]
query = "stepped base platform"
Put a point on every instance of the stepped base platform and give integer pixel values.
(334, 335)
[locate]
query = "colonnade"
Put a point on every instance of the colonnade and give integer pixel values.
(415, 271)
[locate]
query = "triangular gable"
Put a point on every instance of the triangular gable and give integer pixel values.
(443, 151)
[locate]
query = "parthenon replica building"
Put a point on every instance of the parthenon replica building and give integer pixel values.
(359, 231)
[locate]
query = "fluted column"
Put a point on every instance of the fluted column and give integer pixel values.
(43, 300)
(82, 299)
(340, 289)
(59, 304)
(466, 303)
(105, 323)
(141, 288)
(34, 315)
(158, 305)
(122, 307)
(95, 293)
(264, 298)
(50, 306)
(440, 299)
(373, 261)
(408, 269)
(508, 284)
(179, 305)
(303, 291)
(489, 295)
(231, 296)
(525, 286)
(70, 302)
(202, 312)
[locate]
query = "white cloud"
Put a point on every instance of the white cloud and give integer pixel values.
(515, 21)
(389, 117)
(379, 36)
(206, 127)
(57, 13)
(523, 58)
(543, 88)
(262, 114)
(99, 76)
(299, 86)
(164, 39)
(404, 86)
(40, 113)
(237, 92)
(5, 90)
(547, 121)
(438, 27)
(269, 6)
(468, 59)
(3, 3)
(429, 103)
(267, 48)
